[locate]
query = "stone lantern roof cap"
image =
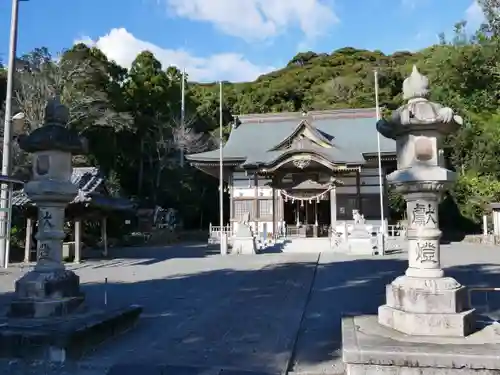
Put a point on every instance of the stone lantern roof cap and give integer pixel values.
(418, 113)
(416, 85)
(54, 133)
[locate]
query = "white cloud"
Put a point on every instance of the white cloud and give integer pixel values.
(257, 20)
(123, 47)
(474, 15)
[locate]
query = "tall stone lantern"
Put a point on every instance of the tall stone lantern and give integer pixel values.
(424, 301)
(50, 289)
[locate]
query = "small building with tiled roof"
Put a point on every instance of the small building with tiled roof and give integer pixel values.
(307, 170)
(92, 202)
(92, 191)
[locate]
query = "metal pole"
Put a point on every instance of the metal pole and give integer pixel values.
(380, 178)
(183, 109)
(221, 177)
(105, 291)
(7, 135)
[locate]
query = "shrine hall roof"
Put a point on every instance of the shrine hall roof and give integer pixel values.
(352, 133)
(91, 189)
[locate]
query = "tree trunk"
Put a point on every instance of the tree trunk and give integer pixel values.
(157, 182)
(202, 195)
(141, 170)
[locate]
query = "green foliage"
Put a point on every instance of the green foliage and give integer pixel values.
(397, 205)
(132, 118)
(474, 192)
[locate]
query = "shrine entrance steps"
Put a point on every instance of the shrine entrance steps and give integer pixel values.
(307, 245)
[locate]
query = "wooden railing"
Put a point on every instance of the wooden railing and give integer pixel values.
(294, 231)
(393, 231)
(214, 232)
(396, 231)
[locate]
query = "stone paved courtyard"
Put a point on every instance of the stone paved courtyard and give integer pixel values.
(268, 313)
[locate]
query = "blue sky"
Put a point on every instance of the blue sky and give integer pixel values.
(231, 39)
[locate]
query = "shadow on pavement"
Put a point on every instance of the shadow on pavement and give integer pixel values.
(130, 256)
(282, 317)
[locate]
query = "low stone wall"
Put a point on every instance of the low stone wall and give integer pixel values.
(481, 239)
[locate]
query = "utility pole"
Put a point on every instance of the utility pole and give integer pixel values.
(183, 117)
(5, 189)
(380, 178)
(223, 238)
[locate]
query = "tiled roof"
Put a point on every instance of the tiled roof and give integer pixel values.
(88, 180)
(353, 132)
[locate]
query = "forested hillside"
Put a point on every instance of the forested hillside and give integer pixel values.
(132, 118)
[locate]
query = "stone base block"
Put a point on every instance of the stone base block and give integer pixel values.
(44, 294)
(369, 348)
(427, 301)
(425, 324)
(61, 339)
(42, 308)
(417, 295)
(361, 246)
(245, 245)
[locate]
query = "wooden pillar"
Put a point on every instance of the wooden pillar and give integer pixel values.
(306, 209)
(280, 209)
(78, 240)
(358, 191)
(231, 202)
(297, 213)
(316, 206)
(28, 244)
(333, 208)
(256, 202)
(274, 212)
(104, 235)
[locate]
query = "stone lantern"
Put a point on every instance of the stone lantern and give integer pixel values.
(50, 289)
(423, 302)
(47, 319)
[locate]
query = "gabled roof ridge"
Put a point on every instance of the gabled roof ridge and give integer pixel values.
(287, 116)
(303, 123)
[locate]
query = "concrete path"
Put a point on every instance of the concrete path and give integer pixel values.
(264, 314)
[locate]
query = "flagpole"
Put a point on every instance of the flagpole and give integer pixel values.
(183, 111)
(380, 177)
(223, 244)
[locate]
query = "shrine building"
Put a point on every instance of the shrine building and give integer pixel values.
(302, 171)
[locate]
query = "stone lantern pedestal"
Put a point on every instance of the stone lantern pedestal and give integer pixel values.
(48, 318)
(426, 325)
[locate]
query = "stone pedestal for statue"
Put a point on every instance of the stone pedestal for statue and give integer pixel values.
(244, 241)
(423, 326)
(495, 213)
(49, 297)
(360, 241)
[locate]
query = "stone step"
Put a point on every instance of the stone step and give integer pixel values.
(307, 245)
(66, 338)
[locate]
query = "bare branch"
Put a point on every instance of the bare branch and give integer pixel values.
(190, 141)
(88, 105)
(186, 138)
